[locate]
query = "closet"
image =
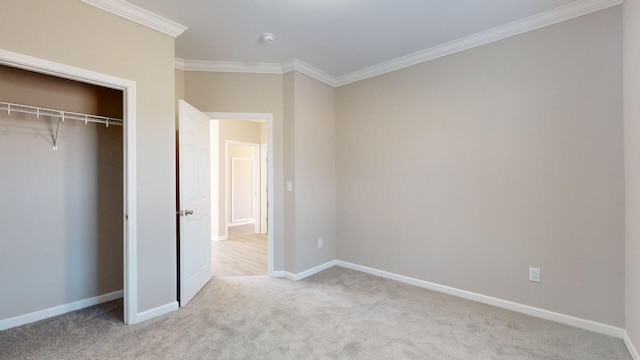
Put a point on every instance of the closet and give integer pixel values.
(61, 210)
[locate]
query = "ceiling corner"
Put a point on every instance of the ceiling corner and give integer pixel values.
(180, 64)
(313, 72)
(563, 13)
(288, 65)
(138, 15)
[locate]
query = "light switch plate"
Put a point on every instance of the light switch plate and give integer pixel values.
(534, 274)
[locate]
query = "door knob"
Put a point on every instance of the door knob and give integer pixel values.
(188, 212)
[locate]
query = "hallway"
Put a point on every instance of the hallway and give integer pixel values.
(243, 254)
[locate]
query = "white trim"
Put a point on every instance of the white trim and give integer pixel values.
(258, 117)
(130, 241)
(130, 251)
(158, 311)
(255, 68)
(218, 238)
(214, 177)
(277, 274)
(270, 176)
(309, 272)
(43, 66)
(247, 221)
(58, 310)
(261, 224)
(139, 15)
(304, 68)
(632, 349)
(563, 13)
(290, 276)
(505, 304)
(228, 66)
(240, 223)
(180, 64)
(550, 17)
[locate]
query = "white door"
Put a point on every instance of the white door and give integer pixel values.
(195, 201)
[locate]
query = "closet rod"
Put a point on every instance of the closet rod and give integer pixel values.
(61, 115)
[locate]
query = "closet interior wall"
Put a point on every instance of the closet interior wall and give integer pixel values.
(61, 213)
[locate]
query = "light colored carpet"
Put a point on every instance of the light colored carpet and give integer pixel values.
(336, 314)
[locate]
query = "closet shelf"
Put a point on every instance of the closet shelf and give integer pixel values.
(60, 115)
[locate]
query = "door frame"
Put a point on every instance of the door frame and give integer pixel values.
(128, 87)
(270, 172)
(263, 188)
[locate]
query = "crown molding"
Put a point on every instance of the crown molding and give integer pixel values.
(139, 15)
(228, 66)
(180, 65)
(255, 68)
(304, 68)
(554, 16)
(567, 12)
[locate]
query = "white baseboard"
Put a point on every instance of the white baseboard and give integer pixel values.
(307, 273)
(159, 311)
(241, 222)
(505, 304)
(58, 310)
(632, 349)
(277, 274)
(218, 238)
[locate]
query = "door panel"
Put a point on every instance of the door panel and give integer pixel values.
(241, 190)
(195, 201)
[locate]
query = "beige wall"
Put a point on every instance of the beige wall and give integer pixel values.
(253, 93)
(631, 30)
(58, 236)
(289, 170)
(241, 151)
(304, 146)
(52, 92)
(263, 133)
(240, 130)
(468, 169)
(315, 172)
(73, 33)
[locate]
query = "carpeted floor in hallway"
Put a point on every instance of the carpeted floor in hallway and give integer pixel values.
(336, 314)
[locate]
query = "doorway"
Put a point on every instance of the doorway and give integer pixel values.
(242, 240)
(128, 88)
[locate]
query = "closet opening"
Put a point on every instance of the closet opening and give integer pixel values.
(67, 209)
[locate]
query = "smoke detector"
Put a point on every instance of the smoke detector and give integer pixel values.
(267, 37)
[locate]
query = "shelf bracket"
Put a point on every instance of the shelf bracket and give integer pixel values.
(55, 140)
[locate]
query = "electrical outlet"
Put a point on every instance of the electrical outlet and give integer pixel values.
(320, 243)
(289, 186)
(534, 274)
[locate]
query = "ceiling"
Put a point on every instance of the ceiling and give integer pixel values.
(337, 37)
